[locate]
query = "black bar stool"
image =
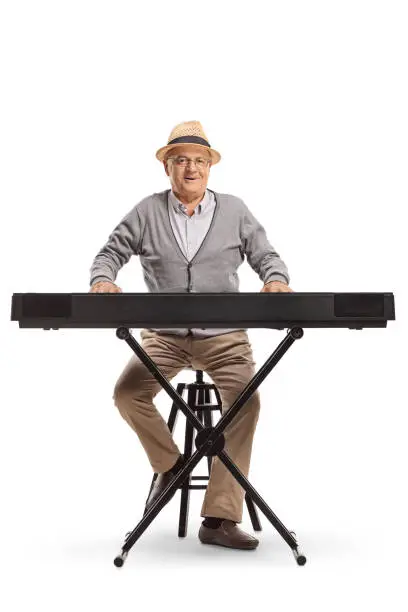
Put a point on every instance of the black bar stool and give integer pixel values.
(199, 400)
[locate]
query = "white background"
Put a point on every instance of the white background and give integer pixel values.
(307, 104)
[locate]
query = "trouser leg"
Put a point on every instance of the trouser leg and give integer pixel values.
(228, 360)
(135, 389)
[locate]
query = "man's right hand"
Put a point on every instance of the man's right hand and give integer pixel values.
(105, 287)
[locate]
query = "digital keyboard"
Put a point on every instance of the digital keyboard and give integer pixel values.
(201, 310)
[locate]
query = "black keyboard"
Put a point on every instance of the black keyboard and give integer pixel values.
(201, 310)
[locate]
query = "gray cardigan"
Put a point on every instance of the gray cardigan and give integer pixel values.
(233, 234)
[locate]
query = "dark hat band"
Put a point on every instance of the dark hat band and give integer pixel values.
(191, 140)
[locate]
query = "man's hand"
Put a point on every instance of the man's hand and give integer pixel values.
(105, 287)
(276, 287)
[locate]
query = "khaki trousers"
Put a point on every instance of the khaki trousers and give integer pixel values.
(228, 360)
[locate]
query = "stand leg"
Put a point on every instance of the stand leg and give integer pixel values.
(185, 491)
(287, 535)
(157, 506)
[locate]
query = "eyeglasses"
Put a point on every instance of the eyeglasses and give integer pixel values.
(182, 161)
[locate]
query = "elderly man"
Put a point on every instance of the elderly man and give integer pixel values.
(190, 238)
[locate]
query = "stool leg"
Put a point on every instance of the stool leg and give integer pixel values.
(208, 422)
(201, 414)
(172, 420)
(185, 487)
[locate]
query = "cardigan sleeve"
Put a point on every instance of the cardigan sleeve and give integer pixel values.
(261, 255)
(123, 242)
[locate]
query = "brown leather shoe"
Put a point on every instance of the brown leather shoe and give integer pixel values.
(161, 483)
(227, 534)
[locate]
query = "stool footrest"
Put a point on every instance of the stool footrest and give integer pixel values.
(207, 407)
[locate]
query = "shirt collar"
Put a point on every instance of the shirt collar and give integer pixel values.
(179, 206)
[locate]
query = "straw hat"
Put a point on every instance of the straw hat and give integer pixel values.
(188, 132)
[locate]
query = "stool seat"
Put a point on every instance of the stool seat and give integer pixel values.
(198, 400)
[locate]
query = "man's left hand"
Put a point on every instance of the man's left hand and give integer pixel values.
(276, 287)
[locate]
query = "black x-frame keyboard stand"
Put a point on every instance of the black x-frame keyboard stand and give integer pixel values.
(209, 442)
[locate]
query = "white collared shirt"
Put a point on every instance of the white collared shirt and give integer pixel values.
(191, 231)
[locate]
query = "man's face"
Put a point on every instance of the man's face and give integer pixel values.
(191, 180)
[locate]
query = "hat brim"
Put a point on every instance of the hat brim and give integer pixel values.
(215, 156)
